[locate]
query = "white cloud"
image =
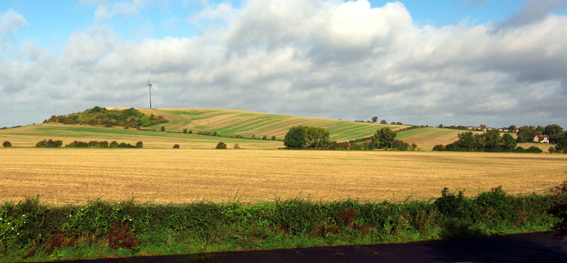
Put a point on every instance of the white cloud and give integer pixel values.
(312, 58)
(107, 10)
(12, 21)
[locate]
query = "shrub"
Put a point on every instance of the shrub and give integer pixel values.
(7, 144)
(162, 128)
(215, 133)
(113, 144)
(49, 144)
(239, 136)
(439, 147)
(236, 146)
(221, 145)
(176, 146)
(273, 138)
(139, 144)
(264, 137)
(126, 127)
(533, 149)
(253, 136)
(184, 130)
(551, 149)
(190, 131)
(520, 149)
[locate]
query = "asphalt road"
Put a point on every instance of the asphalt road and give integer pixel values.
(533, 247)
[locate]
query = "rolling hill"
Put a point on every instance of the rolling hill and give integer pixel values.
(224, 122)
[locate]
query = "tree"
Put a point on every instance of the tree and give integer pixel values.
(162, 128)
(184, 130)
(553, 131)
(508, 142)
(492, 139)
(303, 137)
(483, 127)
(383, 122)
(540, 130)
(512, 128)
(375, 119)
(526, 134)
(562, 141)
(384, 138)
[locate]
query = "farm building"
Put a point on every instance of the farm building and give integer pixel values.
(541, 138)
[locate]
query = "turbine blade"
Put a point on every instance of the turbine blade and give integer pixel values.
(154, 89)
(144, 86)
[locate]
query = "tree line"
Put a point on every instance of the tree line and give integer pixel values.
(306, 137)
(108, 118)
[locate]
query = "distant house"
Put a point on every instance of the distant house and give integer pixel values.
(470, 127)
(541, 138)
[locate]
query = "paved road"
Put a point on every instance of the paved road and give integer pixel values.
(533, 247)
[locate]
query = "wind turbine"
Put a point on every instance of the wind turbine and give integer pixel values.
(149, 85)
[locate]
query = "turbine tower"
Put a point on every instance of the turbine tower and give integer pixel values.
(149, 85)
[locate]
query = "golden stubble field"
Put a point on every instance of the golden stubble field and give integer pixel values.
(73, 176)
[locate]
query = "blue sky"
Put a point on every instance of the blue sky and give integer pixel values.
(426, 62)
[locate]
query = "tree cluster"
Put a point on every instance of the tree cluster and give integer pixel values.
(306, 137)
(527, 133)
(108, 118)
(490, 141)
(6, 144)
(103, 144)
(49, 144)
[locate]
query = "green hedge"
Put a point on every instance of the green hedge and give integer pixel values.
(31, 229)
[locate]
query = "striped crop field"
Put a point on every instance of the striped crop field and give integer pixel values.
(73, 176)
(245, 123)
(28, 136)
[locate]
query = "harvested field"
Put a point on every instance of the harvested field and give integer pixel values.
(72, 176)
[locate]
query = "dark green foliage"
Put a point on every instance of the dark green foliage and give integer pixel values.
(526, 134)
(176, 146)
(113, 144)
(190, 131)
(439, 147)
(401, 146)
(274, 138)
(512, 128)
(91, 144)
(554, 131)
(139, 144)
(108, 118)
(6, 144)
(383, 122)
(221, 145)
(375, 119)
(236, 146)
(184, 130)
(533, 149)
(384, 138)
(551, 149)
(562, 142)
(49, 144)
(306, 137)
(264, 137)
(162, 128)
(215, 133)
(508, 142)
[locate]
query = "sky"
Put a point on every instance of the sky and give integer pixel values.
(450, 62)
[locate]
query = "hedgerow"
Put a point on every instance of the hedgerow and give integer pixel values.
(33, 230)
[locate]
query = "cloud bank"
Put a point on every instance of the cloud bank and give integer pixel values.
(328, 59)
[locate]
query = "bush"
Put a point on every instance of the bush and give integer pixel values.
(139, 144)
(533, 149)
(113, 144)
(264, 137)
(236, 146)
(6, 144)
(551, 149)
(239, 137)
(520, 149)
(184, 130)
(215, 133)
(176, 146)
(274, 138)
(190, 131)
(439, 147)
(221, 145)
(162, 128)
(49, 144)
